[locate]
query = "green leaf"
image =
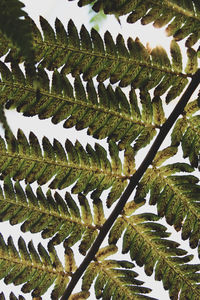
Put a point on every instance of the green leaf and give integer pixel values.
(192, 64)
(177, 133)
(160, 57)
(89, 276)
(158, 112)
(116, 231)
(105, 252)
(48, 32)
(129, 161)
(176, 56)
(147, 110)
(164, 154)
(61, 34)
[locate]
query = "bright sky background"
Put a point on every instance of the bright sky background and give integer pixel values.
(64, 10)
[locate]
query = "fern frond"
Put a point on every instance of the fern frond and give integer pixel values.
(16, 28)
(129, 122)
(106, 112)
(176, 196)
(146, 242)
(183, 15)
(91, 170)
(56, 218)
(114, 279)
(90, 55)
(36, 270)
(187, 132)
(134, 182)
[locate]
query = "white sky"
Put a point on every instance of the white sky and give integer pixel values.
(64, 10)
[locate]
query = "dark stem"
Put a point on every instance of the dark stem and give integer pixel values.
(133, 182)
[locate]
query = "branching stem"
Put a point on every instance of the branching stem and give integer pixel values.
(133, 182)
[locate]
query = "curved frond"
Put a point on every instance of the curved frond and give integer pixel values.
(182, 17)
(113, 279)
(145, 240)
(37, 270)
(91, 169)
(89, 55)
(105, 112)
(176, 196)
(56, 218)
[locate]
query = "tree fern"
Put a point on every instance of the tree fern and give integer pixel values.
(34, 70)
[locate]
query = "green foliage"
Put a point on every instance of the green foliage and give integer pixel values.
(183, 15)
(15, 27)
(144, 239)
(106, 112)
(176, 197)
(34, 80)
(36, 269)
(91, 170)
(115, 279)
(89, 55)
(53, 216)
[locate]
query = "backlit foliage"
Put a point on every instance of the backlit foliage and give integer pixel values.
(129, 121)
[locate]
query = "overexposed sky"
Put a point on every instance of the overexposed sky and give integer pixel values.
(66, 10)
